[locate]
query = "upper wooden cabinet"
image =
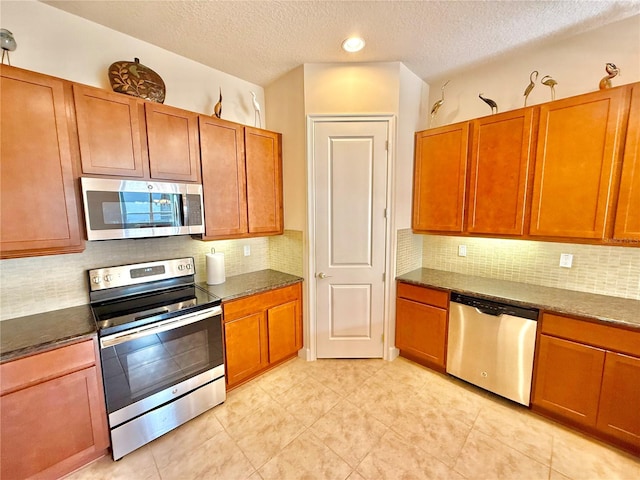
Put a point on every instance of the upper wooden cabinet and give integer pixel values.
(500, 168)
(242, 180)
(109, 132)
(579, 141)
(263, 155)
(627, 223)
(39, 208)
(439, 178)
(172, 139)
(121, 135)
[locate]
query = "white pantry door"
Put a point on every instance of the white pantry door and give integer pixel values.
(350, 172)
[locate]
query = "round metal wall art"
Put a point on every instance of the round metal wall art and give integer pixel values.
(136, 79)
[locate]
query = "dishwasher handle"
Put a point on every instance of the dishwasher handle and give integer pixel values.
(490, 307)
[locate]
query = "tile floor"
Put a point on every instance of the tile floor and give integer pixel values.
(366, 419)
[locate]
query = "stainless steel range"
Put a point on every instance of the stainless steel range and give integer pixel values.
(161, 348)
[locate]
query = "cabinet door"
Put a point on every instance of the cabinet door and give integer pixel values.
(421, 331)
(172, 138)
(627, 225)
(223, 178)
(440, 177)
(619, 412)
(284, 327)
(39, 207)
(246, 347)
(501, 153)
(109, 127)
(568, 377)
(578, 145)
(53, 427)
(264, 181)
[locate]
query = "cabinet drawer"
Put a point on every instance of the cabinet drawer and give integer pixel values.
(37, 368)
(429, 296)
(261, 301)
(584, 331)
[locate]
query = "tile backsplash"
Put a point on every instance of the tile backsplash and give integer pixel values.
(599, 269)
(40, 284)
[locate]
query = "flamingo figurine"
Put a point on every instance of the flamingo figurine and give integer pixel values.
(612, 71)
(436, 106)
(551, 83)
(532, 83)
(491, 103)
(217, 109)
(256, 108)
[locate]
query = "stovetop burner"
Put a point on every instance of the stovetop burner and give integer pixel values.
(133, 295)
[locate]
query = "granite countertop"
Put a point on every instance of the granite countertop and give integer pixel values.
(23, 336)
(250, 283)
(615, 310)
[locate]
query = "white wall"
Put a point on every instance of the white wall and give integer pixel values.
(576, 63)
(58, 43)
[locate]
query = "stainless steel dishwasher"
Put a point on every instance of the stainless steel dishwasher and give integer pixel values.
(491, 345)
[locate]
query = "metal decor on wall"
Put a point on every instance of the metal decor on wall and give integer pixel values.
(136, 79)
(532, 83)
(612, 71)
(491, 103)
(436, 106)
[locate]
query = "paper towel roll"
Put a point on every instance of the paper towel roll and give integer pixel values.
(215, 268)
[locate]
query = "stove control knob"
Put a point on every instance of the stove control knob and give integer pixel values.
(96, 280)
(188, 266)
(180, 267)
(108, 277)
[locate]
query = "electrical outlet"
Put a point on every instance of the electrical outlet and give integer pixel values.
(462, 250)
(566, 260)
(247, 250)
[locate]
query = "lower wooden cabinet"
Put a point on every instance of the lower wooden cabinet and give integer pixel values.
(588, 376)
(52, 412)
(421, 324)
(261, 331)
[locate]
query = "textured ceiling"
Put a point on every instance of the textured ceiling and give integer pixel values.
(260, 40)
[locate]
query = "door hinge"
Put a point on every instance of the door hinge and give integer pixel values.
(383, 338)
(385, 213)
(386, 145)
(384, 277)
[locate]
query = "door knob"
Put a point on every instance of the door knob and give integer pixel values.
(322, 275)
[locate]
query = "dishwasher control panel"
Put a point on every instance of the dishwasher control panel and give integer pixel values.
(490, 307)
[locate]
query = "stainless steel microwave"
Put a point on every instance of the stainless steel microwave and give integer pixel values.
(116, 209)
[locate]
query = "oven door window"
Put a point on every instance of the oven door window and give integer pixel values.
(138, 368)
(122, 210)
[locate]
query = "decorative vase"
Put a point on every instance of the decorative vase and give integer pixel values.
(136, 79)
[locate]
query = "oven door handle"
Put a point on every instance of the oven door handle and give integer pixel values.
(147, 330)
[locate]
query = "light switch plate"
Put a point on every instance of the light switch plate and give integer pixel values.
(462, 250)
(566, 260)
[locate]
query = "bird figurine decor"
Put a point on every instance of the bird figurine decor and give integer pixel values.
(256, 107)
(551, 83)
(491, 103)
(532, 83)
(436, 106)
(217, 109)
(8, 44)
(612, 71)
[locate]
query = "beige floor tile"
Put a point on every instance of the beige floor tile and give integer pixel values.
(264, 432)
(436, 431)
(483, 457)
(381, 398)
(578, 458)
(218, 457)
(406, 373)
(305, 458)
(179, 442)
(557, 476)
(308, 400)
(138, 465)
(344, 376)
(355, 476)
(283, 377)
(395, 458)
(513, 426)
(349, 431)
(241, 402)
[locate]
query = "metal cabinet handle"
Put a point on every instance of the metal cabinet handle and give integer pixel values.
(323, 275)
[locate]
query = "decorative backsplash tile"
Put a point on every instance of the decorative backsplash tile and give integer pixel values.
(285, 252)
(596, 269)
(409, 251)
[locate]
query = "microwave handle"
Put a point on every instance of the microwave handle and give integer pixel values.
(153, 329)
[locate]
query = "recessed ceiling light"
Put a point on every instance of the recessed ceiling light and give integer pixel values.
(353, 44)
